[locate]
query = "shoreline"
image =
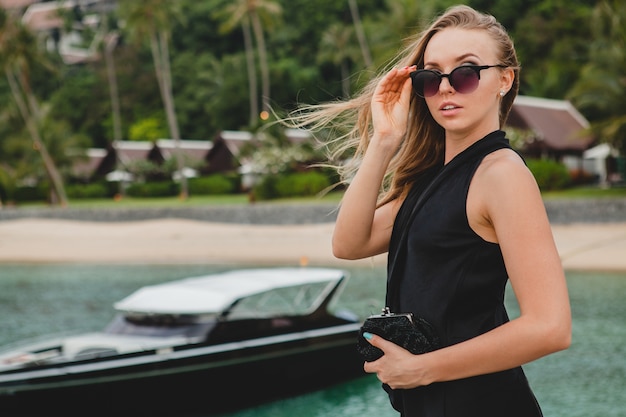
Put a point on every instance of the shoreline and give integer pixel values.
(560, 211)
(582, 246)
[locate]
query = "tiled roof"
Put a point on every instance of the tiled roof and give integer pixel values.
(192, 149)
(86, 167)
(556, 123)
(128, 151)
(236, 139)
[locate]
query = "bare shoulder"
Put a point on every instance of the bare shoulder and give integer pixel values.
(500, 162)
(503, 188)
(504, 170)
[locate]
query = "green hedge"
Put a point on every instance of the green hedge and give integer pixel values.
(213, 185)
(7, 185)
(550, 175)
(91, 191)
(30, 194)
(154, 189)
(291, 185)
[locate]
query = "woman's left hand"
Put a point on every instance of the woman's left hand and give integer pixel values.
(398, 368)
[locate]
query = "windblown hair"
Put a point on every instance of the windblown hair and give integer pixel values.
(423, 146)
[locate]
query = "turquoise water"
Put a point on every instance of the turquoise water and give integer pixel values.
(587, 380)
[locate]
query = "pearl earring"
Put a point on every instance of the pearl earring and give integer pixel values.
(502, 93)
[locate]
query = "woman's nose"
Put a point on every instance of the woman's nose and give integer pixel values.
(445, 86)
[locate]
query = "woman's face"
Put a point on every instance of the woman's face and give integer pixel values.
(476, 113)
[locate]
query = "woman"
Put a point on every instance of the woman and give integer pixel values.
(484, 223)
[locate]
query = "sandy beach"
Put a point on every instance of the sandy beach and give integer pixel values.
(582, 246)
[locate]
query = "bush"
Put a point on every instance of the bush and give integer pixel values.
(154, 189)
(302, 184)
(212, 185)
(29, 194)
(266, 188)
(582, 177)
(7, 186)
(550, 175)
(291, 185)
(96, 190)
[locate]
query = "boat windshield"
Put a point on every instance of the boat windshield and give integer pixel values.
(159, 325)
(295, 300)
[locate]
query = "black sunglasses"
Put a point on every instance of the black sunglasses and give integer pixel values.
(463, 79)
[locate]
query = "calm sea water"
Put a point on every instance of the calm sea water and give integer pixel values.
(587, 380)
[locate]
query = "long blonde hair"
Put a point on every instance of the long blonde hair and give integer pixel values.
(351, 121)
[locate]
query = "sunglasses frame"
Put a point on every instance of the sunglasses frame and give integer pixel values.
(440, 76)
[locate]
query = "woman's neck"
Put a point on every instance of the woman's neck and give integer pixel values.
(458, 142)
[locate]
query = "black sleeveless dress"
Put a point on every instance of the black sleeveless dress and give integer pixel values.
(453, 278)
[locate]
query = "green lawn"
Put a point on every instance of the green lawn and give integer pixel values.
(586, 192)
(231, 199)
(334, 197)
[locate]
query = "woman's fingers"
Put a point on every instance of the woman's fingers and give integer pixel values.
(393, 83)
(390, 103)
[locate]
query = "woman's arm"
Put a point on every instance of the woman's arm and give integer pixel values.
(361, 229)
(510, 202)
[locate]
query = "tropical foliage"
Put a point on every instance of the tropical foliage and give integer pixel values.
(18, 54)
(600, 91)
(193, 68)
(152, 20)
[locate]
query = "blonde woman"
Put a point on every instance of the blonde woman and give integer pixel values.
(484, 223)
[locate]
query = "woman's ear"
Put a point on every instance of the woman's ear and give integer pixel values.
(506, 79)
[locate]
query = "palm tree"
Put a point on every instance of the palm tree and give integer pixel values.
(18, 53)
(227, 27)
(110, 39)
(601, 89)
(253, 14)
(257, 10)
(337, 46)
(360, 33)
(151, 20)
(110, 42)
(407, 17)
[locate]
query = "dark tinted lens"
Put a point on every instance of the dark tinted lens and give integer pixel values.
(464, 79)
(425, 82)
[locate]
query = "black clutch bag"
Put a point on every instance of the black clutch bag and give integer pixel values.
(412, 333)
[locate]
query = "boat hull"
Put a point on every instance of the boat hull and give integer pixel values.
(206, 379)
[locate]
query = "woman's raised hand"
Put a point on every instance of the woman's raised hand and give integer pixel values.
(390, 104)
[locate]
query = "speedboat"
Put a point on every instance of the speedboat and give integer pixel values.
(204, 344)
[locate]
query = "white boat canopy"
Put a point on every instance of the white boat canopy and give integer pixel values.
(215, 293)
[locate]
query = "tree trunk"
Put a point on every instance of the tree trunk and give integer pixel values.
(109, 46)
(31, 125)
(360, 33)
(160, 55)
(252, 85)
(265, 74)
